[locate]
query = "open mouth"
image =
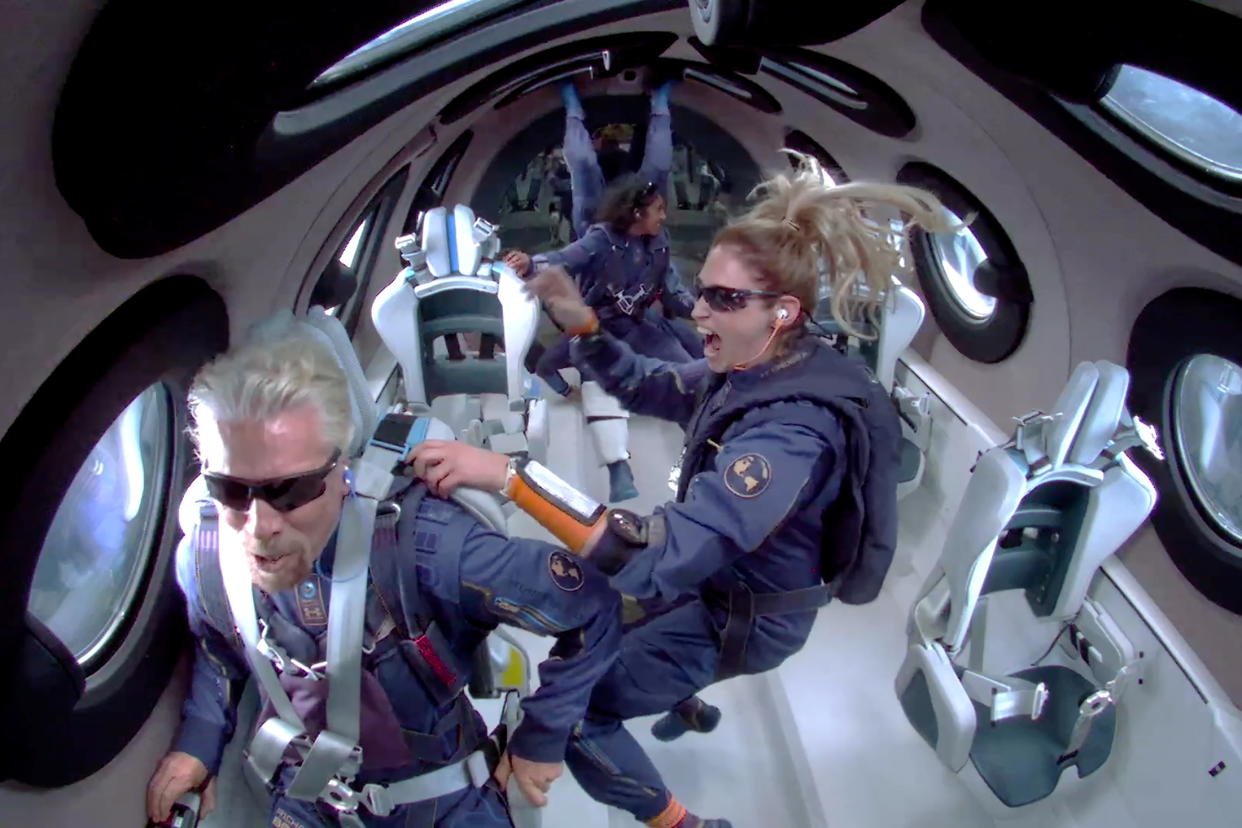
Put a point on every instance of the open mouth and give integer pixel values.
(269, 564)
(711, 342)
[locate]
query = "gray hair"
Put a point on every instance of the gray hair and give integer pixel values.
(282, 365)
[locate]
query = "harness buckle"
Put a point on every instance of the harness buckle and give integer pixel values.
(284, 662)
(627, 301)
(338, 795)
(377, 799)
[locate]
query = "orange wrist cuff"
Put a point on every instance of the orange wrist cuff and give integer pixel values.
(587, 329)
(565, 528)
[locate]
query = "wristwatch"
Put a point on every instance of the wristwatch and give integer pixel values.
(511, 471)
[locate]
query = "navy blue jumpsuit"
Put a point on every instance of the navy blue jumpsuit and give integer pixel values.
(466, 586)
(620, 276)
(748, 517)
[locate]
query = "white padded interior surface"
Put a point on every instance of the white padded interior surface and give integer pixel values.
(366, 417)
(1070, 406)
(1099, 424)
(462, 230)
(434, 242)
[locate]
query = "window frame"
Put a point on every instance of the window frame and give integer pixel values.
(1206, 322)
(162, 334)
(1167, 147)
(997, 337)
(377, 216)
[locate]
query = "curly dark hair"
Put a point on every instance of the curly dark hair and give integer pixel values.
(627, 194)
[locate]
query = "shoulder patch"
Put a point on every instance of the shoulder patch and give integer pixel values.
(748, 475)
(565, 572)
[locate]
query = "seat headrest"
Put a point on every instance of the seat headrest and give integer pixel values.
(188, 508)
(1103, 415)
(363, 410)
(901, 316)
(455, 243)
(1089, 410)
(1069, 410)
(329, 331)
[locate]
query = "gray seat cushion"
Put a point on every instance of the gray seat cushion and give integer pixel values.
(909, 461)
(1017, 758)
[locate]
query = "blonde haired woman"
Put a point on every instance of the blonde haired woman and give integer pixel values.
(787, 487)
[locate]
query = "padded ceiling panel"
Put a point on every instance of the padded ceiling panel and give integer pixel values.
(163, 130)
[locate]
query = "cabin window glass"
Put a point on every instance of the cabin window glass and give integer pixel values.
(957, 256)
(95, 553)
(349, 255)
(344, 284)
(1207, 424)
(1191, 125)
(420, 30)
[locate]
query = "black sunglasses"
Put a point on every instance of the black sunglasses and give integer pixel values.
(283, 494)
(730, 299)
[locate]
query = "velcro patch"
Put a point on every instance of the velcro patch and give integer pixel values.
(565, 572)
(748, 475)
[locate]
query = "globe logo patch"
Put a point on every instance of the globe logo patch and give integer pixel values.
(565, 572)
(748, 475)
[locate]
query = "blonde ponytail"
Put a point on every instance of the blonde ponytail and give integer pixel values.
(805, 235)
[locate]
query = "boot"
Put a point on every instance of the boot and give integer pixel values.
(691, 714)
(620, 482)
(557, 383)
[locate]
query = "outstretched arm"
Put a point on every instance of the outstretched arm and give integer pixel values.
(643, 384)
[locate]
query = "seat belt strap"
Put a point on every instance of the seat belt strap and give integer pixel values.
(808, 599)
(1092, 707)
(1008, 698)
(736, 634)
(335, 751)
(271, 742)
(382, 800)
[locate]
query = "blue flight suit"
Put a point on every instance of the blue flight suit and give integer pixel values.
(747, 520)
(620, 276)
(466, 587)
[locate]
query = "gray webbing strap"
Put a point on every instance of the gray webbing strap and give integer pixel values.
(267, 749)
(381, 800)
(336, 749)
(471, 771)
(271, 740)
